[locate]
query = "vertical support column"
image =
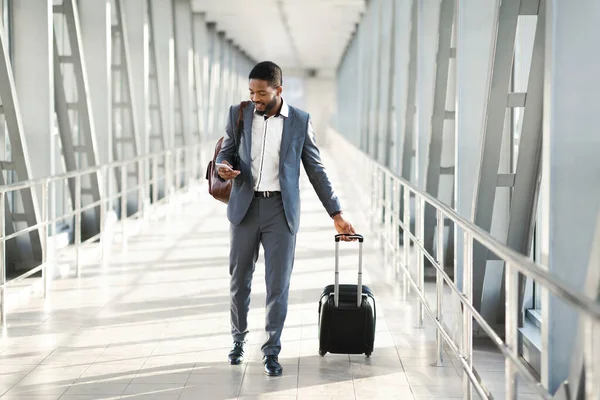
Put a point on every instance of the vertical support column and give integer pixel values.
(96, 36)
(362, 74)
(215, 80)
(200, 39)
(210, 76)
(485, 215)
(74, 111)
(124, 107)
(162, 23)
(184, 64)
(439, 113)
(184, 56)
(440, 127)
(428, 15)
(156, 108)
(35, 86)
(374, 79)
(95, 17)
(570, 197)
(523, 204)
(136, 27)
(474, 32)
(220, 59)
(404, 82)
(406, 100)
(34, 80)
(385, 72)
(24, 252)
(366, 55)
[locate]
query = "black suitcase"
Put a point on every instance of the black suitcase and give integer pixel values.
(347, 324)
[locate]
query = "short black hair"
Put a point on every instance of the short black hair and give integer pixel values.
(267, 71)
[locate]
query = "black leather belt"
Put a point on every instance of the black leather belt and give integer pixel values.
(267, 194)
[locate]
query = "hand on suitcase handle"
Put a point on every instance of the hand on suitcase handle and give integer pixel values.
(348, 236)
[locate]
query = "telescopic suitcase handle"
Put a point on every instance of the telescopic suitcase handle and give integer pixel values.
(336, 290)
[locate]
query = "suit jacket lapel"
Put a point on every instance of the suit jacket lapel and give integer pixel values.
(286, 137)
(247, 132)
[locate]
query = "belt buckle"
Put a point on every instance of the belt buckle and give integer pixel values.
(267, 194)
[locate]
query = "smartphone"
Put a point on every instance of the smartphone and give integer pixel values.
(220, 165)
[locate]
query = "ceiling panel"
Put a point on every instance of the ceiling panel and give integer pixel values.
(307, 34)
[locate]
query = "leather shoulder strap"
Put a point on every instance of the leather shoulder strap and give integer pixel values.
(240, 121)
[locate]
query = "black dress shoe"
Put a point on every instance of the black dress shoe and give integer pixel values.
(272, 366)
(236, 355)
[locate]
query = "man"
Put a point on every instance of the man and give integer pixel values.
(264, 205)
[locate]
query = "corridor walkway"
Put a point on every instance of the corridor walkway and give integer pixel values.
(153, 323)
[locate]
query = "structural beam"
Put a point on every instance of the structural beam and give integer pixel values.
(34, 82)
(125, 129)
(74, 112)
(162, 33)
(441, 128)
(136, 33)
(475, 21)
(21, 210)
(570, 195)
(405, 87)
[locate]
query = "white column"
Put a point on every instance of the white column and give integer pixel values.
(95, 18)
(570, 169)
(34, 82)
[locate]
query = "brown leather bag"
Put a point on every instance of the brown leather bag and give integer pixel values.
(219, 189)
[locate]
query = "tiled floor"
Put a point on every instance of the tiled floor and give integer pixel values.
(154, 324)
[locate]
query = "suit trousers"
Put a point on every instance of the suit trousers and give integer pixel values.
(265, 224)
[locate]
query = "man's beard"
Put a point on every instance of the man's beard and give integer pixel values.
(272, 104)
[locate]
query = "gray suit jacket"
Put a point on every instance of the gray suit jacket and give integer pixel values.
(296, 145)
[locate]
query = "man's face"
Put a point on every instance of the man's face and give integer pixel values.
(263, 95)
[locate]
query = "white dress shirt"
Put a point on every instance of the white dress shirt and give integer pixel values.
(266, 144)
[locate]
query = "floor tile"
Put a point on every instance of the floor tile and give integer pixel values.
(153, 322)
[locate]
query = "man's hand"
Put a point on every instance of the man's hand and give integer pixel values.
(226, 173)
(343, 226)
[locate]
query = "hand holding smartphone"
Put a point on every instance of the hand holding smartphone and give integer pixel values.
(221, 165)
(225, 171)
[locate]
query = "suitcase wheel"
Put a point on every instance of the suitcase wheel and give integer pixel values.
(322, 352)
(368, 354)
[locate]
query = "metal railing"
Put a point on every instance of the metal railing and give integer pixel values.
(181, 168)
(381, 190)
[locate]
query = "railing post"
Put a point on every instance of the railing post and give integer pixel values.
(44, 238)
(390, 214)
(177, 169)
(373, 207)
(3, 258)
(511, 326)
(380, 206)
(467, 333)
(168, 177)
(103, 205)
(385, 226)
(194, 165)
(154, 181)
(419, 228)
(77, 210)
(141, 186)
(53, 223)
(395, 226)
(439, 285)
(406, 241)
(201, 165)
(124, 205)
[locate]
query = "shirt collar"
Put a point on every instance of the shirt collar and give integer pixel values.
(285, 109)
